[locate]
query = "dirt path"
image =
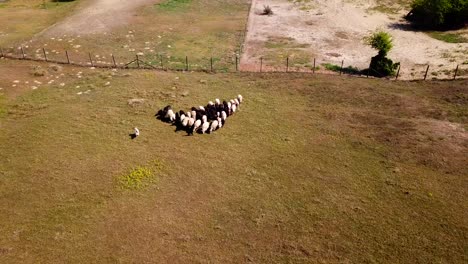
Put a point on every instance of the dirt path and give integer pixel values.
(332, 31)
(97, 16)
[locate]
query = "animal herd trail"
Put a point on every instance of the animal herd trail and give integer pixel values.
(98, 16)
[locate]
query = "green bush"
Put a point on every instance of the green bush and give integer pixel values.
(380, 65)
(439, 14)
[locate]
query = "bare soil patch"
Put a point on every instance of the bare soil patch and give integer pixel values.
(98, 16)
(337, 27)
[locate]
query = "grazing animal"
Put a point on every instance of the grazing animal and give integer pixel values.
(197, 125)
(223, 115)
(135, 133)
(237, 103)
(185, 121)
(240, 98)
(217, 101)
(214, 125)
(205, 127)
(201, 108)
(170, 116)
(234, 107)
(194, 114)
(220, 123)
(204, 119)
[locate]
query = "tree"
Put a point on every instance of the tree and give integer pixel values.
(380, 65)
(439, 14)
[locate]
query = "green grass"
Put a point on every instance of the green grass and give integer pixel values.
(337, 68)
(173, 5)
(304, 172)
(14, 13)
(448, 37)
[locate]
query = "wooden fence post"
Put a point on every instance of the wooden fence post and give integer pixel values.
(113, 61)
(137, 61)
(261, 63)
(161, 60)
(456, 71)
(1, 52)
(398, 72)
(186, 63)
(22, 52)
(427, 70)
(237, 63)
(313, 69)
(90, 59)
(287, 64)
(341, 68)
(68, 58)
(45, 54)
(211, 64)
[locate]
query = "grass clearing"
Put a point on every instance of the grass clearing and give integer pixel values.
(448, 37)
(313, 168)
(21, 19)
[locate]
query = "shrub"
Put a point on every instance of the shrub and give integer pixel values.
(381, 41)
(439, 14)
(267, 11)
(380, 65)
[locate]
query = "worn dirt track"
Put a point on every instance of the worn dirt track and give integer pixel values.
(98, 16)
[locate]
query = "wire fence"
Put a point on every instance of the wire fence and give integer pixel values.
(228, 64)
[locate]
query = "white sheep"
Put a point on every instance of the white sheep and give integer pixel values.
(223, 115)
(240, 98)
(197, 125)
(204, 119)
(220, 123)
(191, 122)
(234, 108)
(205, 127)
(185, 121)
(214, 125)
(201, 108)
(217, 101)
(136, 132)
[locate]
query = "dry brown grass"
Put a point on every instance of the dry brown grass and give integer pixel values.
(316, 169)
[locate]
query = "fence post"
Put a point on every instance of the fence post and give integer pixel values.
(45, 54)
(456, 71)
(90, 59)
(313, 69)
(287, 64)
(261, 63)
(68, 58)
(1, 52)
(237, 63)
(161, 62)
(137, 61)
(341, 68)
(22, 52)
(113, 61)
(186, 63)
(427, 70)
(211, 64)
(398, 72)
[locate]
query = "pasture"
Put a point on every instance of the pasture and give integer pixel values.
(312, 169)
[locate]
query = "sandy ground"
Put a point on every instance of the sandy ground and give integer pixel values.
(97, 16)
(334, 29)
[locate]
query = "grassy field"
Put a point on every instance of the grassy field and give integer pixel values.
(22, 19)
(313, 169)
(169, 30)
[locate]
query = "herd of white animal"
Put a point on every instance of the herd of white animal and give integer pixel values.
(201, 119)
